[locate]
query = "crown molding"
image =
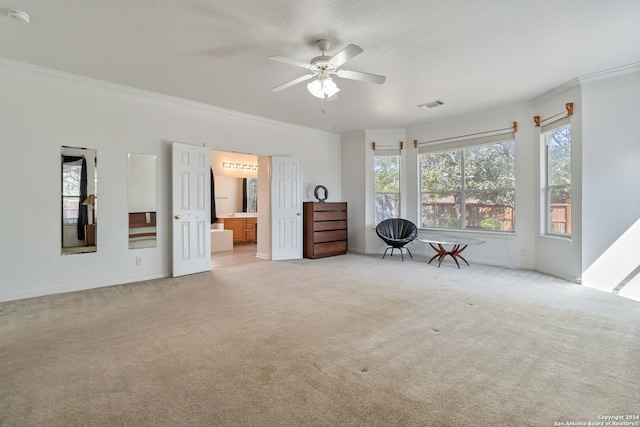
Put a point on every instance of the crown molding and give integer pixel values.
(607, 74)
(22, 66)
(590, 78)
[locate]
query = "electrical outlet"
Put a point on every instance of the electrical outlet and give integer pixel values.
(138, 260)
(523, 252)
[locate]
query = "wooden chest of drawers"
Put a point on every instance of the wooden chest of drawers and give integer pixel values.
(325, 229)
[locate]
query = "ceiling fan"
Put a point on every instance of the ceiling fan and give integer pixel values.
(323, 67)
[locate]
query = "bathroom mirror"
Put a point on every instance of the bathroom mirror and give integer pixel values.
(79, 200)
(236, 194)
(142, 201)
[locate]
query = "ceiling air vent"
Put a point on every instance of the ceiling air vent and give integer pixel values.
(432, 104)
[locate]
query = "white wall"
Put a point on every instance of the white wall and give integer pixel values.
(611, 177)
(41, 111)
(353, 183)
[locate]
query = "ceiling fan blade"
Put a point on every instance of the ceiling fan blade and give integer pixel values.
(290, 62)
(292, 82)
(363, 77)
(345, 54)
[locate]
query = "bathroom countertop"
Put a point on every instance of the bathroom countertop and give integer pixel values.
(239, 215)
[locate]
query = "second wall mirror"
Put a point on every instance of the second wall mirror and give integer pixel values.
(142, 201)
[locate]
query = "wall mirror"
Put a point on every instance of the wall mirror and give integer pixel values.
(79, 200)
(142, 201)
(236, 194)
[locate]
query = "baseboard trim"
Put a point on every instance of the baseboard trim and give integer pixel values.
(79, 287)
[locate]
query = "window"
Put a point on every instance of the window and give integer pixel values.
(71, 191)
(468, 185)
(386, 175)
(252, 195)
(557, 188)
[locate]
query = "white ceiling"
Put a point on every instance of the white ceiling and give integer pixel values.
(472, 54)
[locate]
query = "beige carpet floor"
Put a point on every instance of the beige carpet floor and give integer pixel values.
(352, 340)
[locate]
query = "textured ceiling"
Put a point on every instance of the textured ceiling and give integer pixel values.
(473, 55)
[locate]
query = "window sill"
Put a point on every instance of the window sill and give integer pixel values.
(556, 240)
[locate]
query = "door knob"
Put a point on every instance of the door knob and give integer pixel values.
(298, 213)
(177, 217)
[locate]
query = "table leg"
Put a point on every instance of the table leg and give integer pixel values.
(440, 252)
(457, 254)
(454, 253)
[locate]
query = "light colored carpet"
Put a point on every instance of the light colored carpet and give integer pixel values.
(343, 341)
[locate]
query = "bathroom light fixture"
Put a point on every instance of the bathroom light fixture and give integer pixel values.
(239, 166)
(19, 15)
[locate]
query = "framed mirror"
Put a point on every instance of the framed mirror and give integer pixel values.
(235, 195)
(79, 200)
(142, 201)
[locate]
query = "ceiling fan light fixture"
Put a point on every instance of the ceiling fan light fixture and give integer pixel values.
(323, 88)
(431, 104)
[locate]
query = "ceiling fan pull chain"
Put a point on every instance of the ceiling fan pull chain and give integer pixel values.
(322, 80)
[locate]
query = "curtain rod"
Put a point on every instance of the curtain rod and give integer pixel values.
(568, 106)
(373, 146)
(514, 128)
(78, 148)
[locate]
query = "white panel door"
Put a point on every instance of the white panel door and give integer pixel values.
(286, 208)
(191, 199)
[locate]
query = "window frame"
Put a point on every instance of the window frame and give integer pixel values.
(459, 147)
(387, 153)
(73, 168)
(252, 194)
(548, 187)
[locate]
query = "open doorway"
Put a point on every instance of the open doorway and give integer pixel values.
(238, 190)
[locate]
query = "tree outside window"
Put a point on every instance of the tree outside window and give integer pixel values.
(470, 188)
(71, 191)
(386, 175)
(558, 185)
